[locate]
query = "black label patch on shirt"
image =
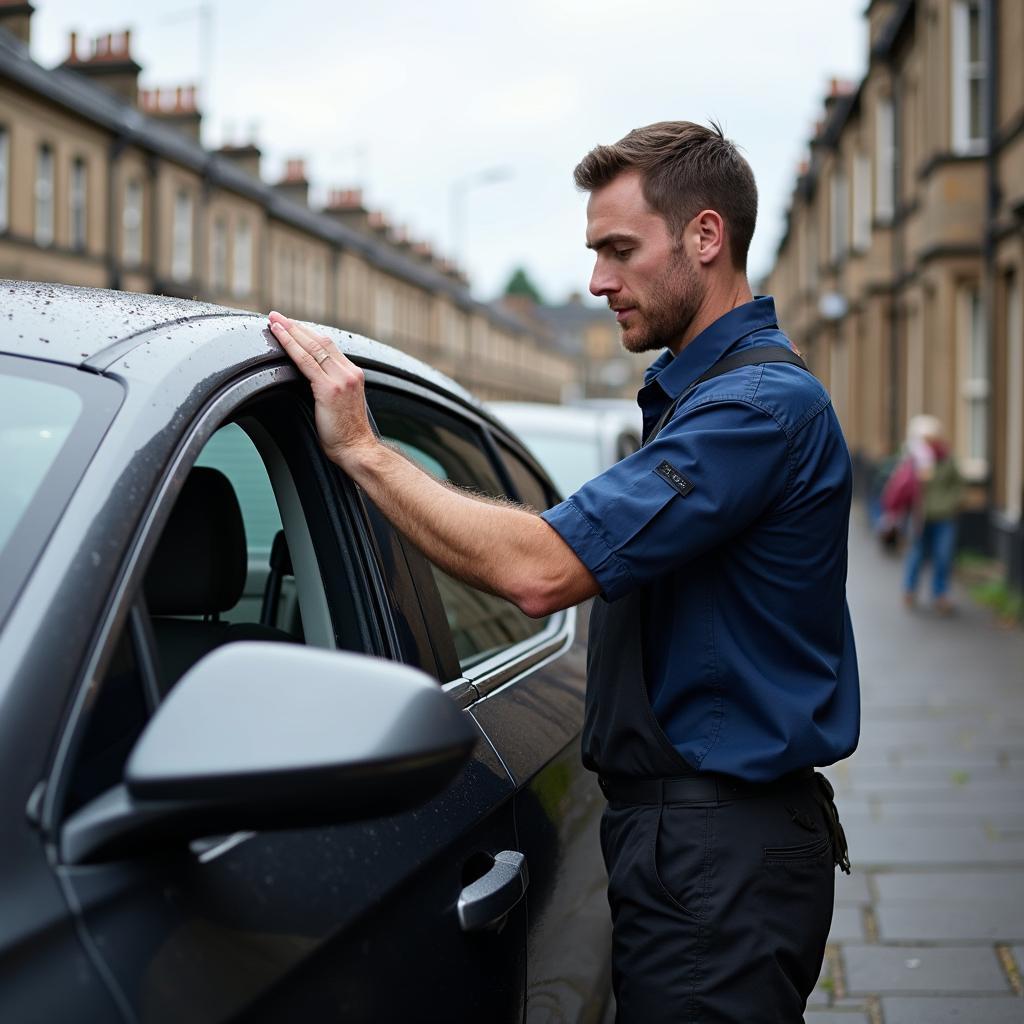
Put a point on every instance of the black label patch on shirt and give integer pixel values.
(668, 472)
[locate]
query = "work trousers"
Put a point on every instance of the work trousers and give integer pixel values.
(720, 909)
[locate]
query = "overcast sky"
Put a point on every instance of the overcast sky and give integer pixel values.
(410, 98)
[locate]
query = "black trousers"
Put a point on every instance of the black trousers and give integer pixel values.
(720, 909)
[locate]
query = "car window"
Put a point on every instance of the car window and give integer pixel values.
(36, 418)
(234, 561)
(570, 459)
(481, 624)
(232, 452)
(531, 490)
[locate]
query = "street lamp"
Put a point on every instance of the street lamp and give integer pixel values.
(204, 13)
(457, 202)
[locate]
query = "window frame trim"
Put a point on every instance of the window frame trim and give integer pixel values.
(78, 203)
(971, 390)
(183, 240)
(5, 177)
(131, 255)
(45, 239)
(964, 71)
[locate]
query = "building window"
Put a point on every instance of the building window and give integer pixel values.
(242, 259)
(5, 157)
(384, 313)
(838, 215)
(861, 203)
(181, 251)
(974, 383)
(44, 195)
(79, 203)
(297, 278)
(1014, 320)
(131, 224)
(811, 248)
(969, 72)
(885, 159)
(316, 292)
(219, 255)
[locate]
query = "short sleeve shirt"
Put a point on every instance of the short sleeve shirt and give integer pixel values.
(734, 520)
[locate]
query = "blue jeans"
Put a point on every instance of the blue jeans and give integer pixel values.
(936, 542)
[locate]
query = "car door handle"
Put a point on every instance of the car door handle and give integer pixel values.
(485, 902)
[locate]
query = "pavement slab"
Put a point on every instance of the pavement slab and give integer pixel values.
(987, 922)
(951, 886)
(922, 969)
(847, 925)
(898, 844)
(852, 889)
(938, 1010)
(836, 1017)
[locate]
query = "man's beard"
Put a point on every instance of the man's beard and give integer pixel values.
(665, 317)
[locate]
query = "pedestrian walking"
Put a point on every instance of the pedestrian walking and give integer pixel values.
(721, 662)
(931, 500)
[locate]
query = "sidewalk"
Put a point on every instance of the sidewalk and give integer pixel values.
(930, 926)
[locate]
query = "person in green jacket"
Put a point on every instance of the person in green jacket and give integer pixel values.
(933, 517)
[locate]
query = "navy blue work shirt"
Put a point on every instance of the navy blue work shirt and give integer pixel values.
(749, 655)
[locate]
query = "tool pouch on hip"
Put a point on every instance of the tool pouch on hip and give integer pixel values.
(826, 795)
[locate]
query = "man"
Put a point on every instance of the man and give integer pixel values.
(721, 663)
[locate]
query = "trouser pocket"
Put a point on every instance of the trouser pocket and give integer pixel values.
(811, 851)
(681, 854)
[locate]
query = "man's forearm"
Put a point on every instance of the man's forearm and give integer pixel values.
(491, 545)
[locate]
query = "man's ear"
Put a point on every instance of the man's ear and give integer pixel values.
(710, 235)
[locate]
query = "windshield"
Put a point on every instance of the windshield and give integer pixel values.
(36, 418)
(569, 461)
(51, 419)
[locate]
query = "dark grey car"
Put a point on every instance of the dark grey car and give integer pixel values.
(261, 761)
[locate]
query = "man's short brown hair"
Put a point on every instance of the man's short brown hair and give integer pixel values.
(685, 168)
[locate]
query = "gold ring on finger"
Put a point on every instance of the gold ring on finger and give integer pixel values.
(322, 357)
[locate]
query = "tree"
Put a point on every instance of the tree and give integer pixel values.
(520, 284)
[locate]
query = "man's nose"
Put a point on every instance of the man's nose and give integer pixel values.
(602, 280)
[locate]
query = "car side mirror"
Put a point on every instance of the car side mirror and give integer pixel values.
(268, 736)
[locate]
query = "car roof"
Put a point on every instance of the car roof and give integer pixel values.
(91, 327)
(68, 324)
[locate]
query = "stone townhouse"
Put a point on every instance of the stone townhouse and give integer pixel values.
(900, 273)
(107, 185)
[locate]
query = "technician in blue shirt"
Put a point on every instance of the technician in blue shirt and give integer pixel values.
(721, 665)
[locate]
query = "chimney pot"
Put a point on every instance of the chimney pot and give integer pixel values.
(74, 47)
(295, 170)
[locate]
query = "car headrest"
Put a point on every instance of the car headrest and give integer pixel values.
(201, 560)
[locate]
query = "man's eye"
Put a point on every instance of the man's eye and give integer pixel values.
(622, 254)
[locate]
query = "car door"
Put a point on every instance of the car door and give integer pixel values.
(529, 677)
(356, 921)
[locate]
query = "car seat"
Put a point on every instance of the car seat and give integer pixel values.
(197, 573)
